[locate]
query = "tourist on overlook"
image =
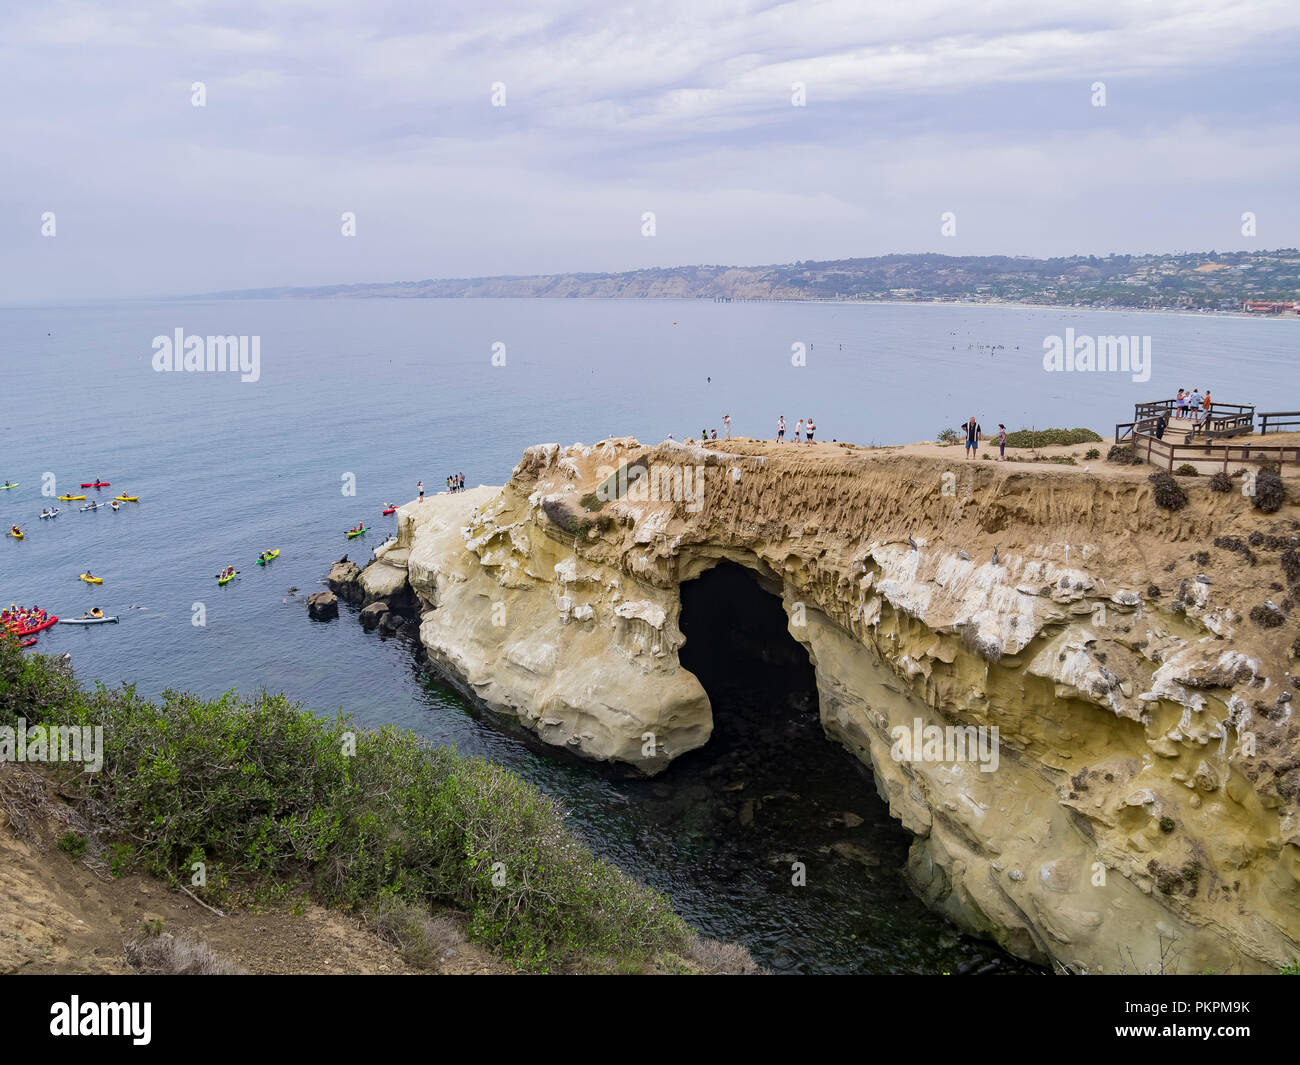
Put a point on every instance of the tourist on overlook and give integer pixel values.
(726, 424)
(780, 429)
(798, 431)
(811, 429)
(972, 428)
(1002, 442)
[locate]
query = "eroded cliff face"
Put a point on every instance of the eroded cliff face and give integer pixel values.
(1140, 810)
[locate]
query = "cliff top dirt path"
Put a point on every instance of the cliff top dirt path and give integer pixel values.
(1023, 458)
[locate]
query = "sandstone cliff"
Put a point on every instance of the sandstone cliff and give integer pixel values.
(1143, 804)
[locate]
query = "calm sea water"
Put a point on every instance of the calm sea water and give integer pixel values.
(387, 392)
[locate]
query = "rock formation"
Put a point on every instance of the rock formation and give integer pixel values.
(1139, 811)
(322, 606)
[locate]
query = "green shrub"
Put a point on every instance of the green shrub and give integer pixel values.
(1092, 453)
(1050, 437)
(73, 844)
(1124, 455)
(1187, 470)
(1290, 562)
(1270, 492)
(949, 436)
(1220, 482)
(1267, 616)
(1168, 493)
(266, 793)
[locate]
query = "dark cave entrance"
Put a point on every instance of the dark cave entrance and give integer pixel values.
(770, 793)
(739, 646)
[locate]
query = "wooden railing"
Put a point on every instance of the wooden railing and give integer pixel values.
(1165, 453)
(1279, 421)
(1224, 420)
(1167, 406)
(1214, 427)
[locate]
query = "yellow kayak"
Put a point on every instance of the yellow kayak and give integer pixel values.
(92, 580)
(16, 535)
(268, 557)
(128, 499)
(72, 497)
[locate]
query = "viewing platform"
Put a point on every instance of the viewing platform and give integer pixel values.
(1208, 440)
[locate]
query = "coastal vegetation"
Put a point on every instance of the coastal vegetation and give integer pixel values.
(1051, 437)
(1168, 493)
(1030, 438)
(252, 799)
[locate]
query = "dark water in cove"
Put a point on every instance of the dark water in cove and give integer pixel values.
(389, 392)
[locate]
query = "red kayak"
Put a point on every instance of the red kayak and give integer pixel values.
(28, 642)
(390, 510)
(94, 484)
(37, 628)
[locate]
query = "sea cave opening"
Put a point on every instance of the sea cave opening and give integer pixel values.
(774, 816)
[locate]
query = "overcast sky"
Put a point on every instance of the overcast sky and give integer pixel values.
(611, 110)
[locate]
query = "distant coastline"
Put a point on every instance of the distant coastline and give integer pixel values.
(1186, 282)
(966, 304)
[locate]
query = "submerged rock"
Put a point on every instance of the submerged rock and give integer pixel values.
(373, 615)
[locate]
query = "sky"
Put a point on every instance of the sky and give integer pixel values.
(691, 111)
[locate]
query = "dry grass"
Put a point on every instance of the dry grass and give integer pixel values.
(169, 955)
(423, 939)
(718, 958)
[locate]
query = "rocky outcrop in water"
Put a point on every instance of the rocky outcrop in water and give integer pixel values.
(322, 606)
(1090, 739)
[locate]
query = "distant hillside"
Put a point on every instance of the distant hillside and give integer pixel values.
(1192, 280)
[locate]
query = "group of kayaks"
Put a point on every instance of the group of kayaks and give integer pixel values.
(71, 497)
(25, 622)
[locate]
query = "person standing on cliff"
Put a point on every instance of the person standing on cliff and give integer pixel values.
(726, 424)
(811, 429)
(798, 431)
(1002, 442)
(972, 436)
(780, 429)
(419, 487)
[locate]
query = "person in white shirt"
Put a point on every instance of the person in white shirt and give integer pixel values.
(780, 429)
(798, 431)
